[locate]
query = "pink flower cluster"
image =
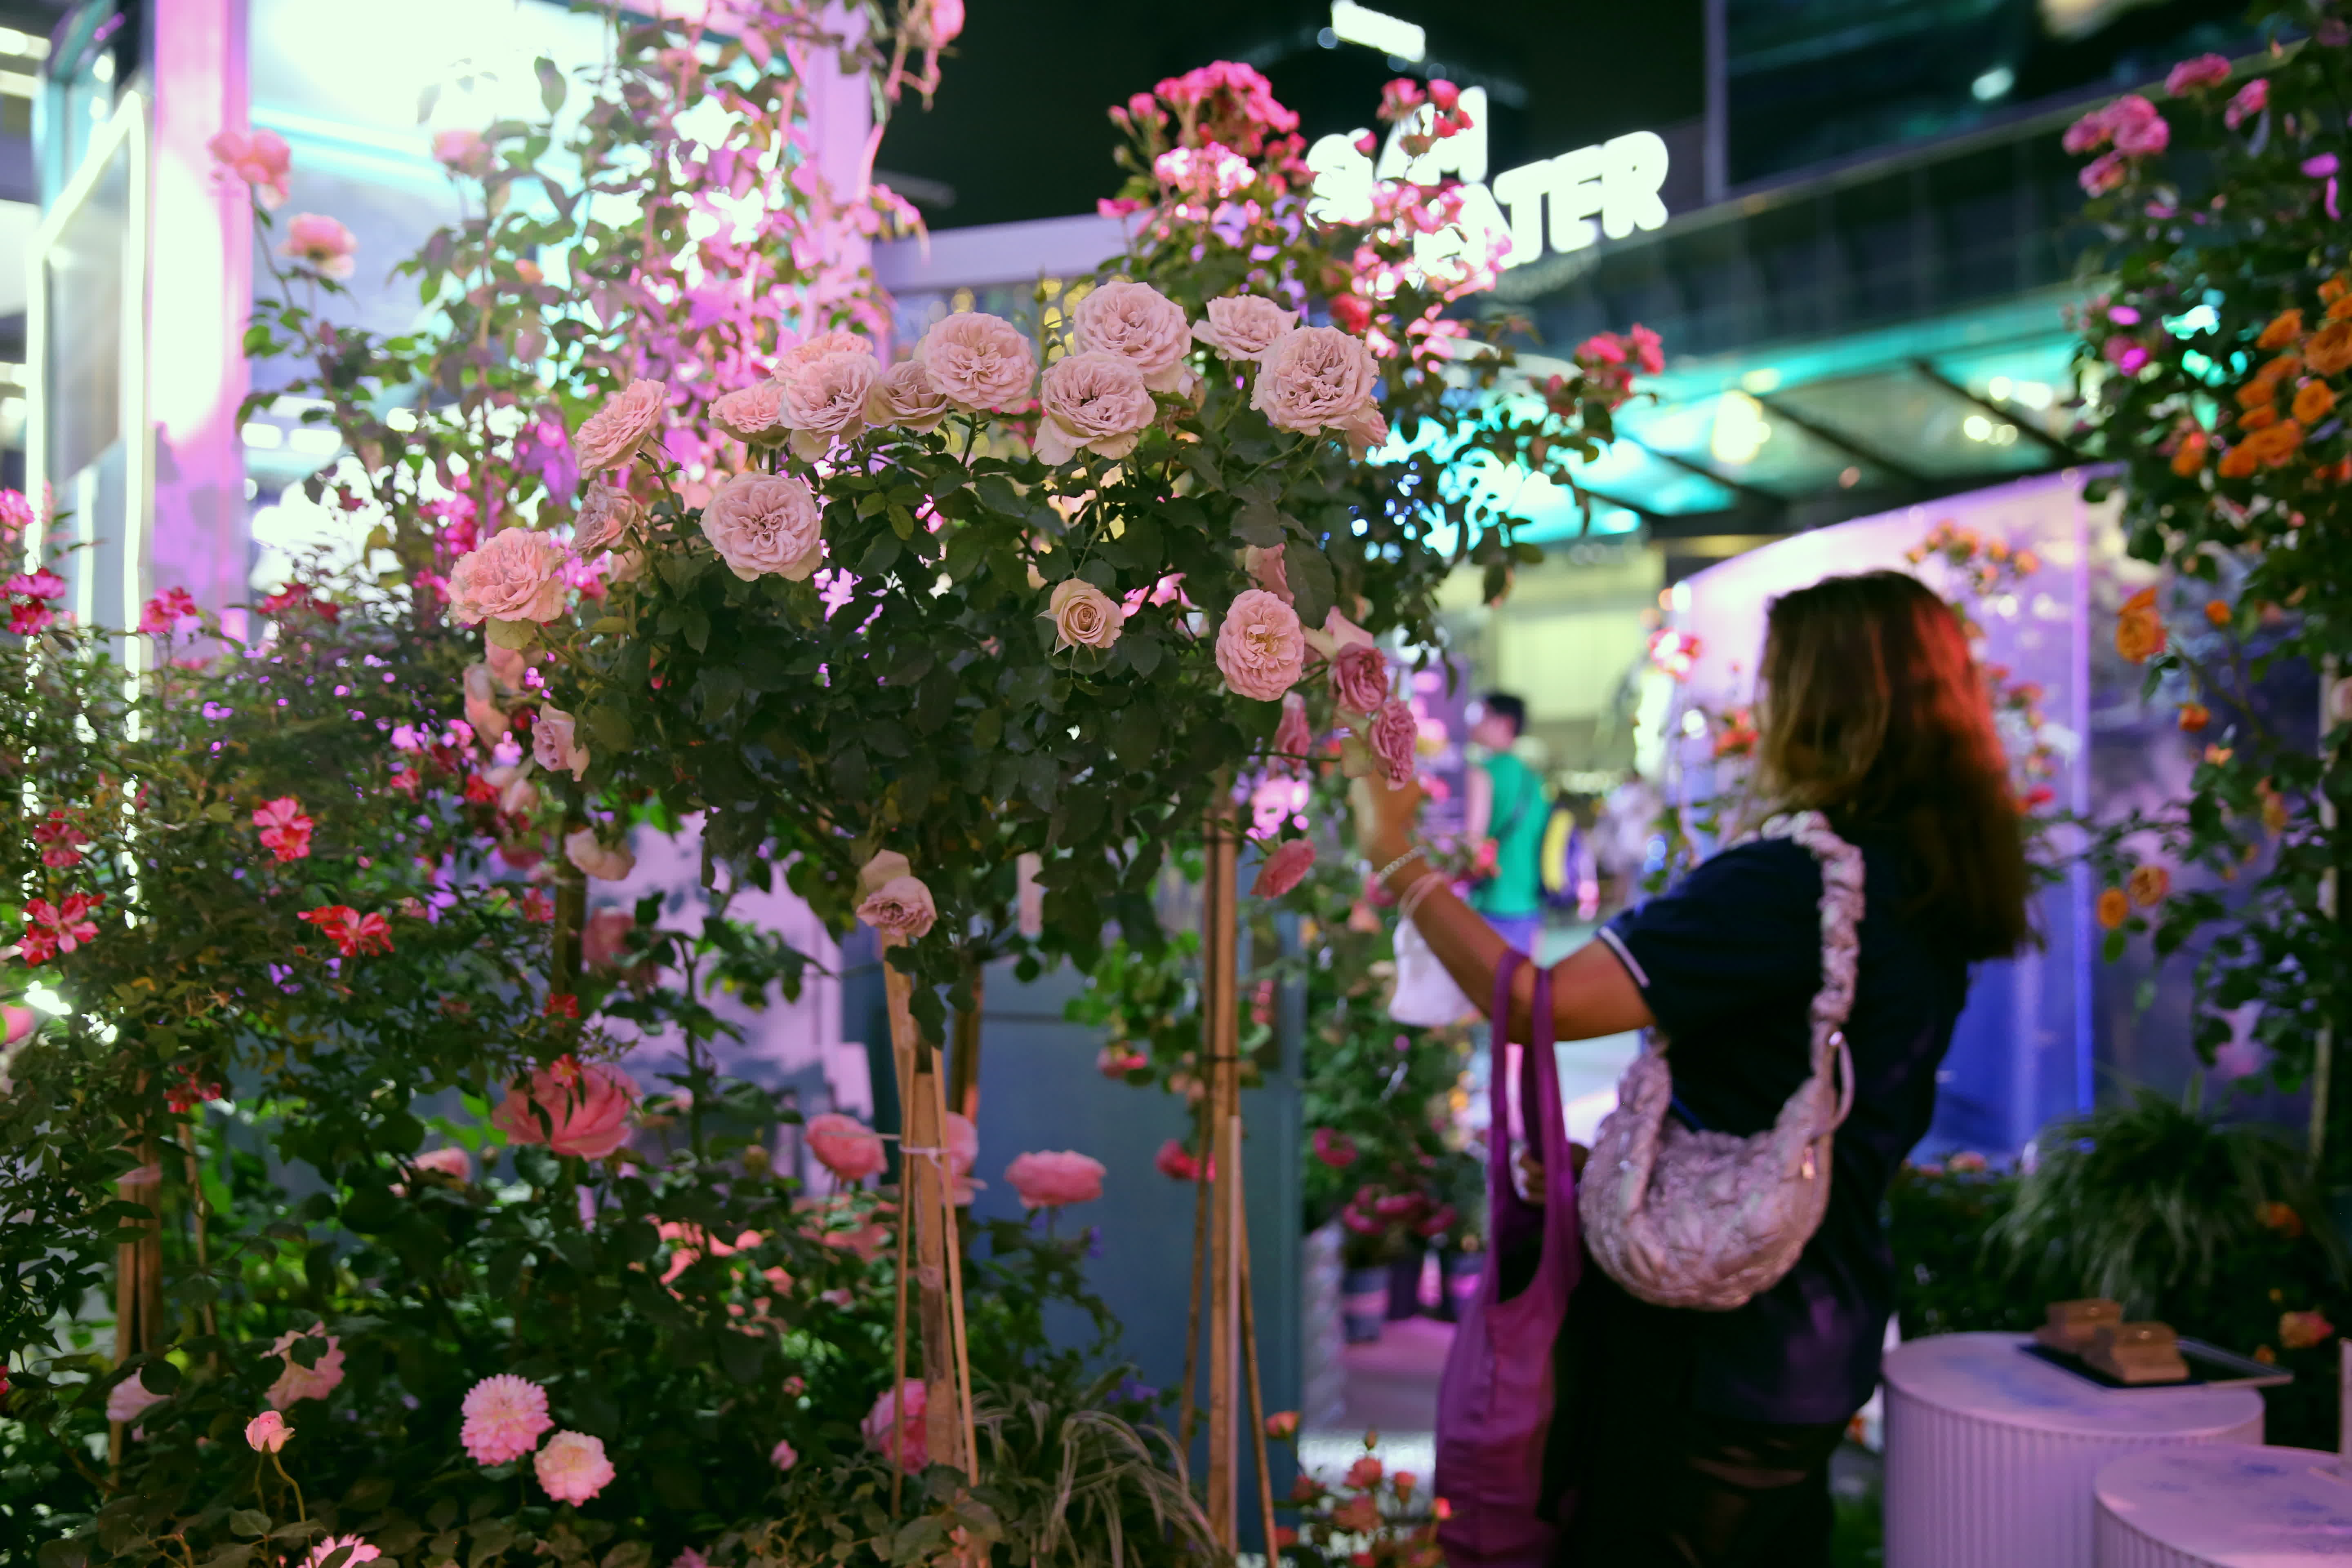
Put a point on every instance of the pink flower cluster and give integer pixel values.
(2132, 123)
(61, 840)
(355, 935)
(260, 159)
(30, 596)
(163, 615)
(51, 929)
(1052, 1178)
(285, 831)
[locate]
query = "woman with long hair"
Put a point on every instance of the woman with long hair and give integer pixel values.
(1686, 1437)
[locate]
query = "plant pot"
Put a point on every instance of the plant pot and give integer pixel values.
(1404, 1287)
(1364, 1303)
(1463, 1271)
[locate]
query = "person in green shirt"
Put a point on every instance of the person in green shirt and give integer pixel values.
(1508, 810)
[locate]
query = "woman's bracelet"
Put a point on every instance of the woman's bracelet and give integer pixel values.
(1385, 872)
(1413, 895)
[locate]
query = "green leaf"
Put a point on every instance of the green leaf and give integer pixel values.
(1143, 651)
(518, 635)
(551, 84)
(249, 1522)
(1259, 521)
(610, 726)
(1313, 591)
(425, 100)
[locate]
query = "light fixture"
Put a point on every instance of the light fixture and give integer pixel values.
(1977, 427)
(1394, 35)
(1740, 429)
(264, 436)
(1994, 84)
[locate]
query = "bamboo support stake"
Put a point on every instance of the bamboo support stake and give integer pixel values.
(1220, 1005)
(960, 1342)
(1257, 1387)
(1190, 1410)
(963, 1061)
(137, 1276)
(929, 1211)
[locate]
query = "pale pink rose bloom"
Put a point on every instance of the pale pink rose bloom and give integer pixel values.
(604, 514)
(1093, 402)
(753, 413)
(1049, 1178)
(19, 1021)
(900, 907)
(515, 575)
(783, 1455)
(1392, 735)
(462, 151)
(507, 666)
(1360, 677)
(1138, 323)
(825, 400)
(344, 1551)
(1284, 868)
(603, 937)
(128, 1400)
(267, 1431)
(1083, 615)
(845, 1147)
(321, 244)
(937, 24)
(572, 1466)
(978, 361)
(766, 523)
(1317, 378)
(1243, 326)
(555, 743)
(299, 1381)
(505, 1417)
(810, 349)
(963, 1152)
(482, 710)
(609, 437)
(606, 862)
(447, 1161)
(1368, 430)
(518, 797)
(1261, 648)
(1269, 570)
(1294, 737)
(905, 399)
(909, 1444)
(261, 159)
(587, 1108)
(1338, 632)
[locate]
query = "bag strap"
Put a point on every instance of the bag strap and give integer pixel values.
(1499, 1029)
(1840, 920)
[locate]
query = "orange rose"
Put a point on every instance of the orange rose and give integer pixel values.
(2313, 400)
(2115, 908)
(2284, 328)
(2286, 367)
(2275, 444)
(2148, 885)
(2274, 816)
(2330, 348)
(2302, 1330)
(2236, 463)
(2259, 392)
(2195, 716)
(2217, 612)
(2280, 1218)
(2139, 630)
(2335, 289)
(2191, 456)
(2258, 419)
(2338, 308)
(2219, 755)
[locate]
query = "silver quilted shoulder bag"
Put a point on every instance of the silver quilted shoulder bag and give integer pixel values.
(1686, 1218)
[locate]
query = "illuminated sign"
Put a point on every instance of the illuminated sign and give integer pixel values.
(1555, 206)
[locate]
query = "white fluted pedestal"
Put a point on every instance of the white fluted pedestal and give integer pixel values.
(1991, 1454)
(2223, 1506)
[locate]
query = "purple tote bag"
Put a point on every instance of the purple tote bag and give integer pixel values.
(1495, 1401)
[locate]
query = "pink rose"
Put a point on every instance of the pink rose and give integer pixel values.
(1243, 326)
(573, 1108)
(1317, 378)
(572, 1466)
(845, 1147)
(609, 438)
(1284, 868)
(1360, 677)
(905, 399)
(2191, 75)
(1336, 1150)
(1368, 430)
(1083, 614)
(936, 25)
(1294, 737)
(1118, 1060)
(447, 1161)
(2138, 128)
(505, 1416)
(783, 1455)
(128, 1400)
(764, 523)
(462, 151)
(902, 907)
(606, 862)
(321, 244)
(1176, 1162)
(261, 159)
(753, 413)
(267, 1431)
(1394, 734)
(808, 351)
(896, 1429)
(1138, 323)
(825, 400)
(344, 1551)
(605, 515)
(507, 666)
(605, 936)
(20, 1023)
(978, 361)
(1093, 400)
(1261, 648)
(1268, 571)
(516, 575)
(299, 1381)
(2247, 102)
(554, 743)
(1050, 1178)
(2103, 174)
(482, 710)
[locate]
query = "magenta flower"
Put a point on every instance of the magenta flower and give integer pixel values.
(1393, 735)
(2247, 102)
(2103, 174)
(1284, 868)
(505, 1417)
(895, 1426)
(285, 831)
(163, 614)
(1336, 1150)
(2195, 75)
(51, 929)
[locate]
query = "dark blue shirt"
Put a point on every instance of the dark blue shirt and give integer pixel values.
(1729, 962)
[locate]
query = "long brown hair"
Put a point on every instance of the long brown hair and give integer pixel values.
(1874, 714)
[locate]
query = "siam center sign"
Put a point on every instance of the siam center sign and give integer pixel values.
(1552, 206)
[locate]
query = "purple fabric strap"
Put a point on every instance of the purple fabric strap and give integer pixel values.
(1517, 1222)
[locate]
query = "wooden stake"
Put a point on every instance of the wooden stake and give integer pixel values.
(963, 1061)
(1257, 1389)
(137, 1276)
(1189, 1407)
(1220, 1003)
(929, 1211)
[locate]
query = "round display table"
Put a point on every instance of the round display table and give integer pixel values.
(2224, 1504)
(1991, 1453)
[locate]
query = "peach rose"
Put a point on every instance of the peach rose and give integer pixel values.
(1269, 571)
(1138, 323)
(261, 159)
(1318, 378)
(482, 710)
(900, 907)
(299, 1381)
(1083, 614)
(1394, 734)
(905, 399)
(572, 1466)
(605, 936)
(572, 1107)
(462, 151)
(845, 1147)
(606, 862)
(978, 361)
(1294, 737)
(825, 400)
(321, 244)
(810, 349)
(752, 414)
(267, 1433)
(446, 1161)
(604, 514)
(1360, 677)
(1284, 868)
(763, 523)
(1261, 648)
(1093, 402)
(1050, 1178)
(1243, 326)
(555, 744)
(611, 436)
(516, 575)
